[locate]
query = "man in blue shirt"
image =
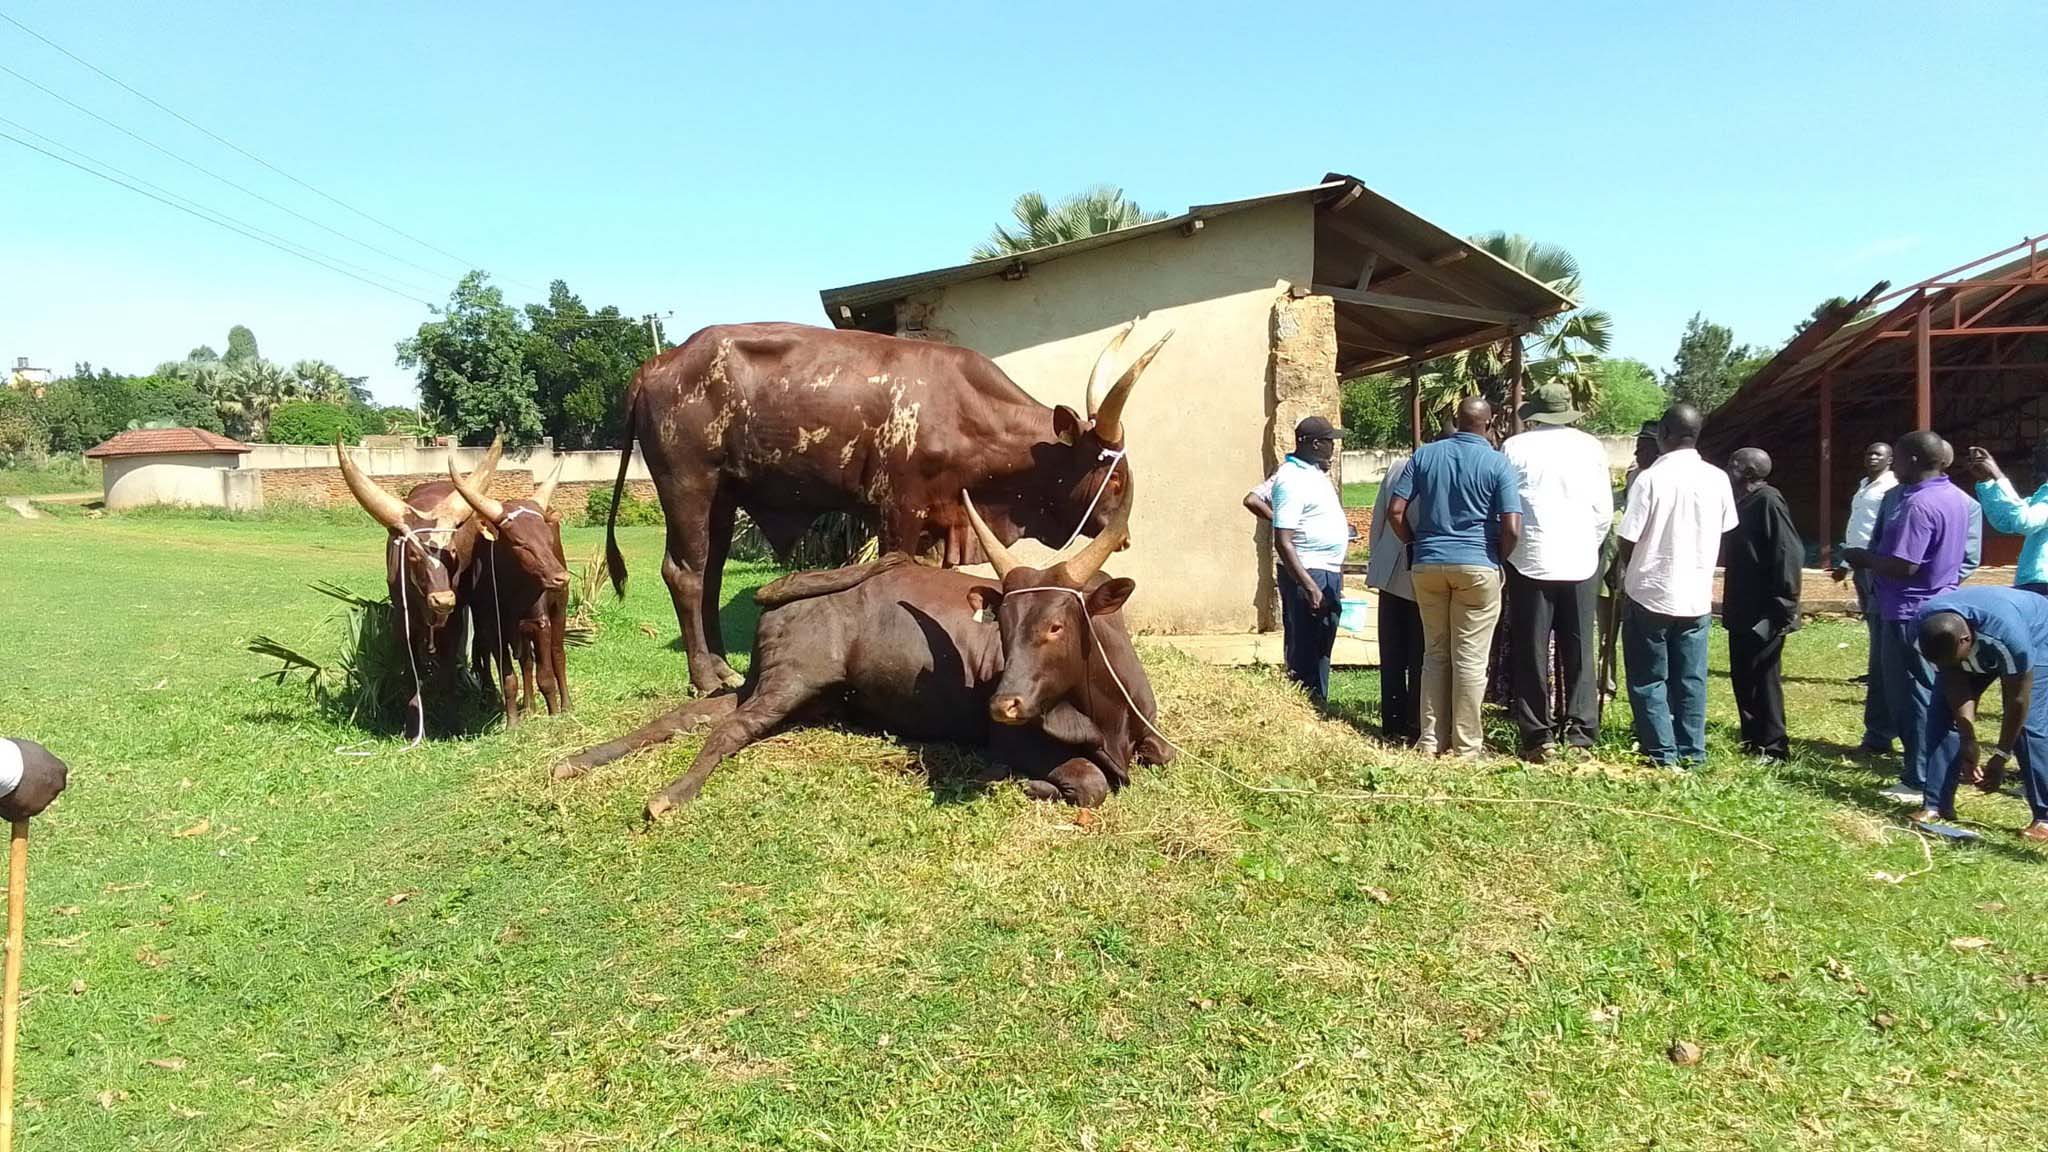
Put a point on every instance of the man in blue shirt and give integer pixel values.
(1458, 509)
(1973, 636)
(1310, 535)
(2011, 515)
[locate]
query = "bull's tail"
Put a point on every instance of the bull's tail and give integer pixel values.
(614, 561)
(805, 585)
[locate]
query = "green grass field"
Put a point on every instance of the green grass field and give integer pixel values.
(241, 939)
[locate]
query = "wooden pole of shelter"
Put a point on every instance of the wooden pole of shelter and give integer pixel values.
(1923, 367)
(1515, 382)
(1827, 467)
(1414, 402)
(10, 991)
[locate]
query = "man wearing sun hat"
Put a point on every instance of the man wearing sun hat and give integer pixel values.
(1553, 575)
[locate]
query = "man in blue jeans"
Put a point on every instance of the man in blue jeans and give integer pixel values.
(1678, 509)
(1974, 636)
(1918, 554)
(1310, 535)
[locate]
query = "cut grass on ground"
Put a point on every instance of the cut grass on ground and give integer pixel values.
(243, 939)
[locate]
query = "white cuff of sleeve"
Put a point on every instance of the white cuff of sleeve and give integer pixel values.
(10, 767)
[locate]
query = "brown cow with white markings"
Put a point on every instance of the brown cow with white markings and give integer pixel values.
(788, 421)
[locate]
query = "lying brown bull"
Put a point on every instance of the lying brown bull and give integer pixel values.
(788, 421)
(432, 538)
(1028, 670)
(518, 594)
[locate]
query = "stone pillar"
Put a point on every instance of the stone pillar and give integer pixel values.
(1303, 382)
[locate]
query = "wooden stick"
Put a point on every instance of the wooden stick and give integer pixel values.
(10, 993)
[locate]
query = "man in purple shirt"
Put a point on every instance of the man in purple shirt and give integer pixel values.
(1916, 556)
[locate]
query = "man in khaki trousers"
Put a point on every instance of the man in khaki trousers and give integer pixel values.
(1457, 508)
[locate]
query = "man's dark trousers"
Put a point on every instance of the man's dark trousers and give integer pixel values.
(1753, 671)
(1400, 639)
(1535, 608)
(1310, 633)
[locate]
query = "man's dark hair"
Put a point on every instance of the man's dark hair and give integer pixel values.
(1942, 635)
(1922, 447)
(1751, 463)
(1681, 424)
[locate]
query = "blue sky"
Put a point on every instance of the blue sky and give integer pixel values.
(727, 161)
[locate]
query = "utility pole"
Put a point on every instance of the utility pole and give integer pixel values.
(654, 327)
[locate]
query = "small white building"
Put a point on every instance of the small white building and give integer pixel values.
(190, 466)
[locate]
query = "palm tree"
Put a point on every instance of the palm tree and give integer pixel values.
(247, 393)
(319, 380)
(1561, 348)
(1101, 208)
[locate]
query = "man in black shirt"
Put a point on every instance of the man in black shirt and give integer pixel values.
(1760, 601)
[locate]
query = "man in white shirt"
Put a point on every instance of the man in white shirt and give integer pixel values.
(1860, 531)
(1553, 575)
(1400, 620)
(1310, 535)
(1670, 539)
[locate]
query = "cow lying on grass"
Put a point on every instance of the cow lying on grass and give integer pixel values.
(1027, 669)
(518, 595)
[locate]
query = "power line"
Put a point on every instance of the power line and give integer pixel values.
(187, 200)
(235, 228)
(225, 142)
(197, 167)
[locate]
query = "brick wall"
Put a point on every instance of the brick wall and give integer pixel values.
(1360, 520)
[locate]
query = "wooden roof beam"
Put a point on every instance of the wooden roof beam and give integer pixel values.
(1417, 304)
(1416, 264)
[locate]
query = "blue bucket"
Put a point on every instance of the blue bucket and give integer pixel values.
(1353, 615)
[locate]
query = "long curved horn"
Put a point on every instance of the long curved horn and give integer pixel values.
(1099, 377)
(492, 510)
(546, 491)
(382, 506)
(454, 509)
(998, 555)
(1089, 560)
(1109, 419)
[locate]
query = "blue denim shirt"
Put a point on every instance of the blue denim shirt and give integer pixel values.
(1457, 490)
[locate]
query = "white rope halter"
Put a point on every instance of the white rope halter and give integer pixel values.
(1115, 456)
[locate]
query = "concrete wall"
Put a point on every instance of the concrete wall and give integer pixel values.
(307, 474)
(139, 481)
(1200, 421)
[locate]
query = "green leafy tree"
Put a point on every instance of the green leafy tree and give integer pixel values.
(1626, 393)
(1100, 208)
(1375, 411)
(24, 441)
(313, 422)
(582, 363)
(249, 391)
(204, 354)
(241, 346)
(1708, 366)
(473, 376)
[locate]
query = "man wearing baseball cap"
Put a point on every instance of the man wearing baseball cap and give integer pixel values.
(1310, 535)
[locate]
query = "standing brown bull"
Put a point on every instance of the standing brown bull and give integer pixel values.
(432, 537)
(518, 594)
(788, 421)
(1035, 670)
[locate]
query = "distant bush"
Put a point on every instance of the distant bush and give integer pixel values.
(633, 511)
(313, 422)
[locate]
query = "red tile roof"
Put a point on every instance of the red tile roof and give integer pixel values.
(164, 442)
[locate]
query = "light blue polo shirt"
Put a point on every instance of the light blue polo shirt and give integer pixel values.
(1306, 503)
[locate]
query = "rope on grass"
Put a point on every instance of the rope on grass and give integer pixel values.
(1926, 853)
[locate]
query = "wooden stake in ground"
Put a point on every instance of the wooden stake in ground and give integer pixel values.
(10, 993)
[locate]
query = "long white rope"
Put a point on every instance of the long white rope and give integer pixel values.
(1115, 456)
(417, 705)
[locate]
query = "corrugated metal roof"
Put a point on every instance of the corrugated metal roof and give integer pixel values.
(165, 442)
(1421, 292)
